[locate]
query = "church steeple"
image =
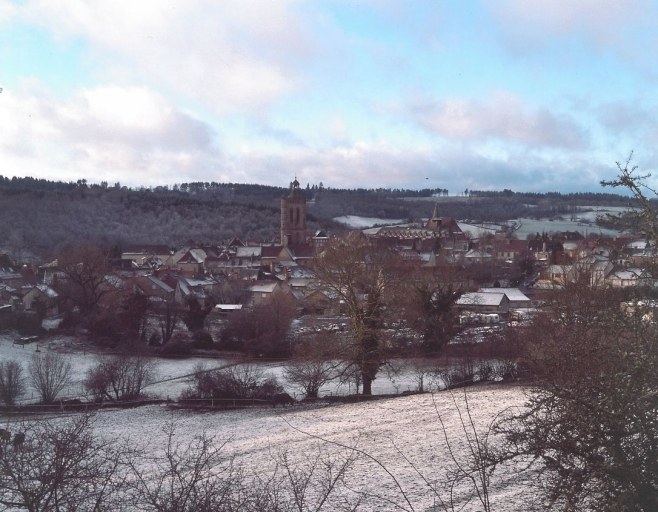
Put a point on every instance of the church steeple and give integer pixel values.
(434, 223)
(293, 217)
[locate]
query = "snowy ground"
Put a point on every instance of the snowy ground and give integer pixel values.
(405, 435)
(171, 375)
(356, 222)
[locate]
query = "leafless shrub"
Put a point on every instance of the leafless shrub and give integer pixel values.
(12, 385)
(235, 382)
(61, 466)
(188, 477)
(120, 377)
(313, 365)
(50, 373)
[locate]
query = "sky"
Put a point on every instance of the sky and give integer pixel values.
(530, 95)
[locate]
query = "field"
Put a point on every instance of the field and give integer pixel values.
(403, 440)
(403, 435)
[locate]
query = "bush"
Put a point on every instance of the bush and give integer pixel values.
(202, 340)
(11, 382)
(119, 378)
(176, 349)
(50, 374)
(243, 382)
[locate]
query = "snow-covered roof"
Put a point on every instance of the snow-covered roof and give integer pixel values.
(48, 291)
(248, 252)
(473, 253)
(628, 274)
(199, 282)
(513, 294)
(263, 288)
(228, 307)
(161, 284)
(481, 299)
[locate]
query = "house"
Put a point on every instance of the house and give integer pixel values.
(201, 289)
(191, 263)
(146, 256)
(270, 255)
(10, 277)
(41, 296)
(484, 302)
(261, 292)
(155, 289)
(517, 299)
(245, 257)
(477, 256)
(8, 295)
(509, 249)
(623, 278)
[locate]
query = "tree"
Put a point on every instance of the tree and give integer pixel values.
(168, 320)
(430, 308)
(195, 315)
(49, 373)
(84, 271)
(61, 466)
(589, 429)
(314, 364)
(191, 477)
(263, 329)
(133, 314)
(644, 217)
(120, 377)
(362, 275)
(12, 385)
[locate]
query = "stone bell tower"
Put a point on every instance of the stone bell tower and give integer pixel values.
(293, 217)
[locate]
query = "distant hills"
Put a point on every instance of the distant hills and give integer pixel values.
(39, 216)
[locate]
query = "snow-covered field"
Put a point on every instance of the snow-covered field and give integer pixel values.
(356, 222)
(404, 434)
(172, 375)
(408, 436)
(584, 222)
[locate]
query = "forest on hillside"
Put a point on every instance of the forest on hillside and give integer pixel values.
(38, 216)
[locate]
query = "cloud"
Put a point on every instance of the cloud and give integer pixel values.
(361, 164)
(501, 116)
(109, 133)
(599, 20)
(625, 28)
(228, 55)
(626, 116)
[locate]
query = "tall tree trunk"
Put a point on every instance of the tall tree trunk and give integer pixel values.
(367, 385)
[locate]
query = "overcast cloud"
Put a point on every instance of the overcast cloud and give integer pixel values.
(522, 94)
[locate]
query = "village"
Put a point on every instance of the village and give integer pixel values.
(501, 278)
(151, 303)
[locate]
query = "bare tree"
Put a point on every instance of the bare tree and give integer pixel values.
(50, 373)
(168, 321)
(12, 384)
(314, 364)
(84, 271)
(61, 466)
(187, 477)
(263, 329)
(363, 276)
(589, 428)
(120, 377)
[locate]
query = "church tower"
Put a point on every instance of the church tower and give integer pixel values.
(293, 217)
(434, 223)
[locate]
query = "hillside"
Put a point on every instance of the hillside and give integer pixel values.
(39, 216)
